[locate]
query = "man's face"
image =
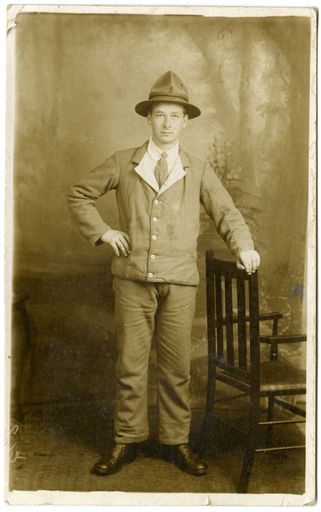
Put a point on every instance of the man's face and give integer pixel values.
(167, 121)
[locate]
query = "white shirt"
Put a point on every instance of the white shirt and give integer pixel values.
(147, 165)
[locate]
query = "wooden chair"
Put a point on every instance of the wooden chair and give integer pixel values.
(234, 346)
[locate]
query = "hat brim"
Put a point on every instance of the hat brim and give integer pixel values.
(143, 107)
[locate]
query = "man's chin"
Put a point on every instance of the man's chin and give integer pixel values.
(167, 139)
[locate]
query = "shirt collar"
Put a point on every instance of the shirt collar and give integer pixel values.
(154, 151)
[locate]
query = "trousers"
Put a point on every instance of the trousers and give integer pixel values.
(143, 310)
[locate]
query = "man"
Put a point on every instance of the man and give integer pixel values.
(159, 187)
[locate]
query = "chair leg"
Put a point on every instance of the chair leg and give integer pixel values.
(248, 460)
(270, 415)
(208, 416)
(205, 434)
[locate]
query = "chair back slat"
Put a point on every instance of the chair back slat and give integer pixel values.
(210, 302)
(234, 320)
(229, 320)
(254, 327)
(241, 323)
(219, 315)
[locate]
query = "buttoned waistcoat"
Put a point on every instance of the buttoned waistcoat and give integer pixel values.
(163, 226)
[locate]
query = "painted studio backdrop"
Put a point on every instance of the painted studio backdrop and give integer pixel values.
(78, 78)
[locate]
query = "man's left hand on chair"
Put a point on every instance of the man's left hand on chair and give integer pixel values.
(248, 260)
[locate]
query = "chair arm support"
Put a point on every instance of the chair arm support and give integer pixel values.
(283, 338)
(262, 317)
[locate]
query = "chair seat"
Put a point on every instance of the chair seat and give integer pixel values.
(275, 376)
(280, 375)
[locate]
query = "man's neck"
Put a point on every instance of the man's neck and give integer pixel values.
(165, 147)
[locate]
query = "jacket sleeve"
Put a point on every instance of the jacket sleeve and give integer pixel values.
(82, 198)
(228, 220)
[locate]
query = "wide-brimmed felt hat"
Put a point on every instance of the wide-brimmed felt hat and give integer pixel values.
(169, 88)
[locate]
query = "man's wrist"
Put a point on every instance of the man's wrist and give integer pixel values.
(100, 240)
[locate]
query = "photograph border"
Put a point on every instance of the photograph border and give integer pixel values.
(186, 499)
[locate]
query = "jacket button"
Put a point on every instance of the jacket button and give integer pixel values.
(156, 201)
(154, 237)
(150, 274)
(153, 256)
(155, 219)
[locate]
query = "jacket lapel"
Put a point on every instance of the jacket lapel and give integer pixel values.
(184, 159)
(178, 173)
(139, 169)
(139, 153)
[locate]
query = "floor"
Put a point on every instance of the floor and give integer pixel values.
(56, 446)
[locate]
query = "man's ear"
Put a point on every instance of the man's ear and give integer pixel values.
(149, 118)
(185, 120)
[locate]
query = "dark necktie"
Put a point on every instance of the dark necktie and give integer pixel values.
(161, 169)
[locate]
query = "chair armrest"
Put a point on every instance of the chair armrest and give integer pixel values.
(283, 338)
(270, 316)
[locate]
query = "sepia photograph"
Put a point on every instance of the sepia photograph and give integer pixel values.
(160, 255)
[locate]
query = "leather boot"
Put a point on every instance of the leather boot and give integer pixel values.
(183, 458)
(109, 464)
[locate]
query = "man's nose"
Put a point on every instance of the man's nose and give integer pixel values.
(167, 121)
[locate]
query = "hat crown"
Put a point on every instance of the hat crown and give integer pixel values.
(169, 88)
(169, 84)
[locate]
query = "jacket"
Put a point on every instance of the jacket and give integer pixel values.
(163, 225)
